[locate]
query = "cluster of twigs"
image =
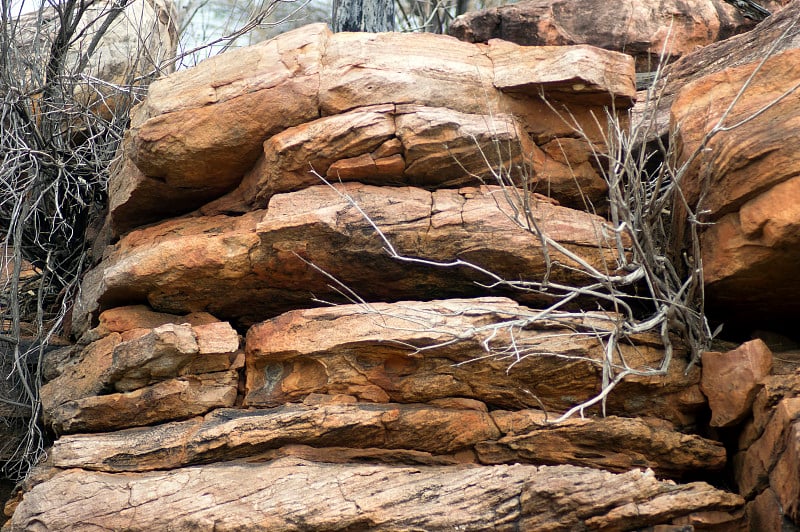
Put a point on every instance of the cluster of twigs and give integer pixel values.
(62, 117)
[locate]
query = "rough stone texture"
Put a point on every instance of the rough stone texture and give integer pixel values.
(252, 267)
(641, 29)
(778, 33)
(612, 443)
(181, 145)
(785, 477)
(755, 467)
(731, 381)
(748, 179)
(288, 494)
(232, 433)
(114, 363)
(417, 352)
(184, 397)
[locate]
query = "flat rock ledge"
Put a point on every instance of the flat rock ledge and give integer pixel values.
(295, 494)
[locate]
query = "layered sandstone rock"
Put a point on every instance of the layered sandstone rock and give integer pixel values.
(430, 92)
(257, 265)
(405, 410)
(419, 352)
(778, 33)
(278, 495)
(745, 180)
(645, 30)
(143, 367)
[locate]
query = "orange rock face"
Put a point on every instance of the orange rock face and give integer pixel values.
(731, 381)
(252, 267)
(746, 177)
(201, 130)
(645, 30)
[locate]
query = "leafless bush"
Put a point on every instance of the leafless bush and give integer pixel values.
(69, 73)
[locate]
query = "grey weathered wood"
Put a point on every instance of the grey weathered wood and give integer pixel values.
(363, 15)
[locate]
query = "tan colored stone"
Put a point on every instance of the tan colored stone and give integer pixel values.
(252, 267)
(437, 148)
(171, 350)
(184, 397)
(200, 130)
(423, 351)
(612, 443)
(86, 377)
(206, 124)
(128, 318)
(644, 30)
(731, 381)
(764, 512)
(775, 388)
(577, 73)
(753, 467)
(280, 494)
(784, 479)
(778, 33)
(226, 434)
(150, 356)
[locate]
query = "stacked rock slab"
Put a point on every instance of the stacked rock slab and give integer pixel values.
(207, 392)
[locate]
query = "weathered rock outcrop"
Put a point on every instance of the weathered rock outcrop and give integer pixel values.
(747, 179)
(257, 265)
(428, 89)
(778, 33)
(276, 495)
(211, 387)
(645, 30)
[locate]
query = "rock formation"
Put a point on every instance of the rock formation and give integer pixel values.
(212, 385)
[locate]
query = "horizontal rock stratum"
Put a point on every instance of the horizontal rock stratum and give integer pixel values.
(255, 266)
(199, 131)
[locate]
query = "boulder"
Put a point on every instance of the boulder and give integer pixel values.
(181, 145)
(643, 30)
(490, 349)
(255, 266)
(778, 33)
(746, 177)
(114, 363)
(731, 381)
(280, 494)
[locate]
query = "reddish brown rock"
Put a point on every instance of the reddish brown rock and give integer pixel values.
(765, 513)
(156, 355)
(184, 397)
(612, 443)
(227, 434)
(785, 477)
(778, 33)
(418, 352)
(278, 495)
(747, 179)
(644, 30)
(755, 467)
(731, 381)
(252, 267)
(414, 145)
(182, 148)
